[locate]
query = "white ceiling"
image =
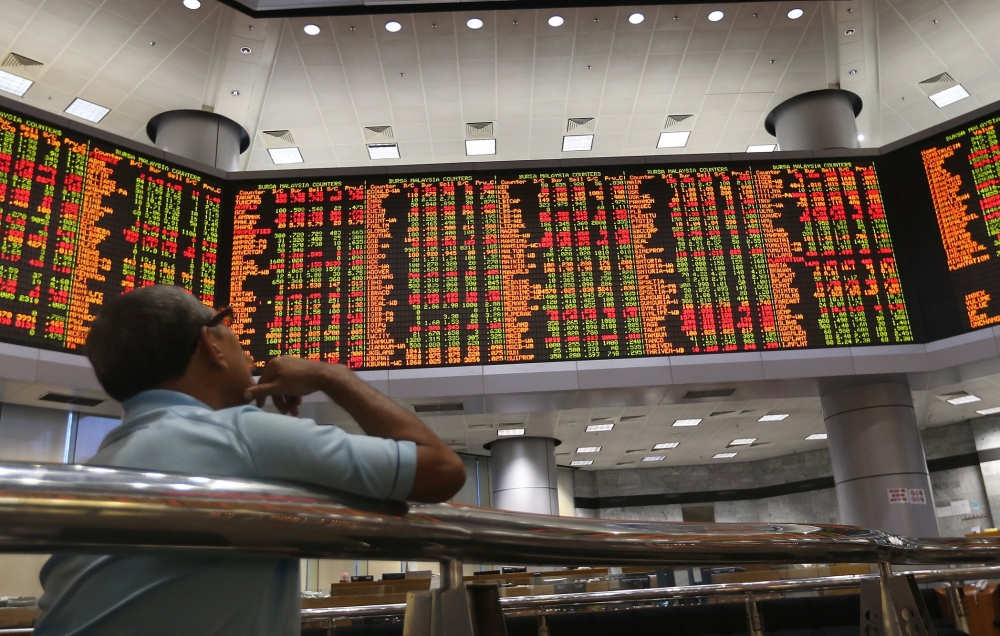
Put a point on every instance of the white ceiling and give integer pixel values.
(427, 81)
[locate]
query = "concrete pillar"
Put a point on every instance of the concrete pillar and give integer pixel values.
(816, 120)
(878, 458)
(524, 475)
(200, 136)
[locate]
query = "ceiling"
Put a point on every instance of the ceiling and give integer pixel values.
(141, 57)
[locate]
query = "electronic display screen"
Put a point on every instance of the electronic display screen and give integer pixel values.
(82, 220)
(430, 270)
(962, 172)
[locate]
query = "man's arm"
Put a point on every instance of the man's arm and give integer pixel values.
(440, 472)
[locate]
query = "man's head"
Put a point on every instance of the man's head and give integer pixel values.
(157, 337)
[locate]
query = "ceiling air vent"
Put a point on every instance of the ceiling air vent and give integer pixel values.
(745, 411)
(438, 408)
(24, 65)
(479, 130)
(279, 138)
(379, 133)
(603, 419)
(75, 400)
(480, 427)
(636, 450)
(719, 413)
(673, 120)
(629, 418)
(624, 463)
(708, 393)
(581, 124)
(940, 78)
(512, 425)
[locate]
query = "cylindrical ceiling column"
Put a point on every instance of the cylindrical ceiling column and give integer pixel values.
(878, 458)
(817, 120)
(201, 136)
(524, 475)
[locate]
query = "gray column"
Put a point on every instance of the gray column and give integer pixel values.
(878, 459)
(200, 136)
(816, 120)
(524, 475)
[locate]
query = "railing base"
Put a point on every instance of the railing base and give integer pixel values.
(465, 610)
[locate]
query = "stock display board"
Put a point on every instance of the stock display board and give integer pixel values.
(81, 220)
(962, 171)
(487, 268)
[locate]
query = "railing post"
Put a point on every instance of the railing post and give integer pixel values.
(452, 575)
(956, 597)
(889, 624)
(755, 623)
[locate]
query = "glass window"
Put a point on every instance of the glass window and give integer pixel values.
(90, 432)
(32, 434)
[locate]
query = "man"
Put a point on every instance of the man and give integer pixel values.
(184, 382)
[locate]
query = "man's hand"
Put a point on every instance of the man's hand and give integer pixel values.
(440, 472)
(286, 380)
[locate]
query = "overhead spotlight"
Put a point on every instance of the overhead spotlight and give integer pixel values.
(192, 4)
(715, 16)
(795, 14)
(636, 18)
(861, 136)
(474, 23)
(556, 21)
(392, 26)
(234, 92)
(311, 29)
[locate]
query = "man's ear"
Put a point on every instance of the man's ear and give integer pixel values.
(210, 349)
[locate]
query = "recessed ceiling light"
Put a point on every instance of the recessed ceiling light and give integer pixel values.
(723, 455)
(87, 110)
(691, 422)
(510, 432)
(575, 143)
(556, 21)
(475, 147)
(991, 411)
(14, 83)
(653, 458)
(816, 436)
(589, 449)
(795, 14)
(474, 23)
(246, 50)
(673, 139)
(392, 26)
(861, 136)
(949, 95)
(715, 16)
(597, 428)
(581, 462)
(234, 92)
(311, 29)
(285, 155)
(963, 399)
(192, 4)
(666, 445)
(762, 147)
(383, 151)
(850, 32)
(745, 441)
(636, 18)
(773, 417)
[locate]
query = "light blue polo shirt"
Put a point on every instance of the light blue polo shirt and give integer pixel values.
(183, 595)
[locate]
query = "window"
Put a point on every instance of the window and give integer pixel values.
(90, 432)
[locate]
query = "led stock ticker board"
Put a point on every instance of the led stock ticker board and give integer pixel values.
(512, 267)
(82, 220)
(963, 175)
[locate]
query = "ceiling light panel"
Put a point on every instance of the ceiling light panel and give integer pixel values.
(477, 147)
(990, 411)
(577, 143)
(773, 417)
(964, 399)
(949, 96)
(795, 14)
(715, 16)
(723, 455)
(510, 432)
(816, 437)
(14, 83)
(393, 27)
(581, 462)
(311, 29)
(744, 441)
(666, 445)
(556, 21)
(762, 147)
(281, 156)
(673, 139)
(87, 110)
(474, 23)
(653, 458)
(192, 4)
(589, 449)
(636, 18)
(597, 428)
(690, 422)
(383, 151)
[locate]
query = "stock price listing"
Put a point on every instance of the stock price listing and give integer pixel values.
(479, 269)
(963, 174)
(81, 221)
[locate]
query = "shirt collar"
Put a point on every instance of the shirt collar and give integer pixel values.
(158, 399)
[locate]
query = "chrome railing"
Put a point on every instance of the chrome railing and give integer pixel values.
(90, 509)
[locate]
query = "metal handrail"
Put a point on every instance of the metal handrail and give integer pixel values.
(546, 601)
(47, 508)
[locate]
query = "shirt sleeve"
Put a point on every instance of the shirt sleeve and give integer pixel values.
(298, 449)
